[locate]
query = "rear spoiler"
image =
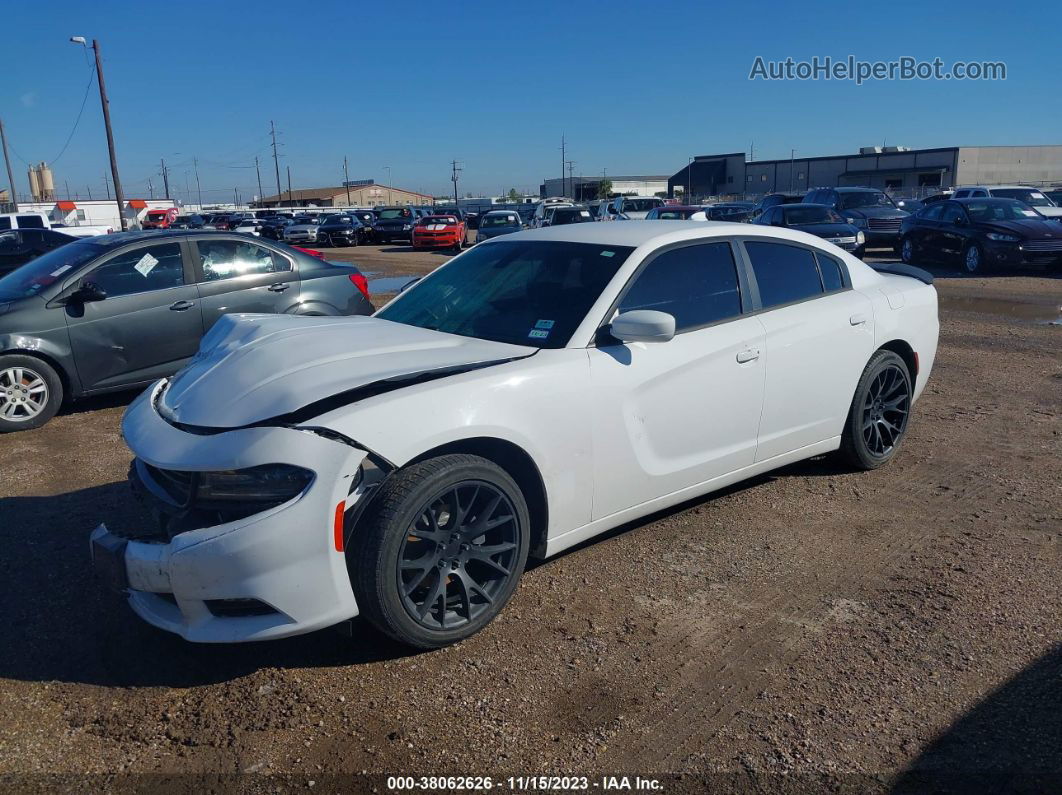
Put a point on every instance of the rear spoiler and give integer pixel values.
(899, 269)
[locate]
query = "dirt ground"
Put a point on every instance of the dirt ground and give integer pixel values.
(811, 630)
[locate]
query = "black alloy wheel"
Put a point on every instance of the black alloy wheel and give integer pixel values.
(440, 550)
(877, 419)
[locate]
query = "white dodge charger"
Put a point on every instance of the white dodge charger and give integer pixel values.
(533, 392)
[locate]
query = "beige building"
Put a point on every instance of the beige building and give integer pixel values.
(367, 194)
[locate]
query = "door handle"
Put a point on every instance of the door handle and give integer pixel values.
(180, 306)
(748, 355)
(857, 319)
(279, 287)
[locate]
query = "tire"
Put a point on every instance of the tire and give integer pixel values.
(907, 250)
(406, 603)
(885, 381)
(30, 393)
(973, 259)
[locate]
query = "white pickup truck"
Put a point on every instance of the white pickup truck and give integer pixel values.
(41, 221)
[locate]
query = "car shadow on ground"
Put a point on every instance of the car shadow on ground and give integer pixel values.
(409, 250)
(62, 624)
(1010, 742)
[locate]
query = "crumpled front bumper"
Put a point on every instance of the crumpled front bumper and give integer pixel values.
(286, 561)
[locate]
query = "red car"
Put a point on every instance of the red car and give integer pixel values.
(439, 231)
(160, 219)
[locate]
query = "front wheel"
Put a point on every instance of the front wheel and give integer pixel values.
(30, 393)
(877, 418)
(973, 259)
(441, 551)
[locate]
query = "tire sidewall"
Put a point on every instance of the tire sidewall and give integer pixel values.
(55, 391)
(379, 546)
(853, 443)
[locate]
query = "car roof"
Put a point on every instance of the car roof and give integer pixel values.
(997, 187)
(637, 233)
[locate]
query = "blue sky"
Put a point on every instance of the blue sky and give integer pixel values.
(635, 87)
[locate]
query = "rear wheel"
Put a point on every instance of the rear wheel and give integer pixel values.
(877, 418)
(30, 393)
(442, 550)
(973, 259)
(907, 250)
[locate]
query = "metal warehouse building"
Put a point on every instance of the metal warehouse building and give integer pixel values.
(898, 169)
(585, 188)
(364, 193)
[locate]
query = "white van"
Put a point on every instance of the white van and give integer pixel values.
(41, 221)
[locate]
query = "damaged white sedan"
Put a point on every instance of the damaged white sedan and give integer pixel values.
(533, 392)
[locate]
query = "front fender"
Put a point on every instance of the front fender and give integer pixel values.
(540, 403)
(56, 352)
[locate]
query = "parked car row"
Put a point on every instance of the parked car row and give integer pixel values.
(117, 311)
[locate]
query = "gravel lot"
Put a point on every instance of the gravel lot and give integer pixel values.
(809, 630)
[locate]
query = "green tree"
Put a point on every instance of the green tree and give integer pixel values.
(604, 189)
(514, 197)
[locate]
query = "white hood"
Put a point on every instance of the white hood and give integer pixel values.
(252, 368)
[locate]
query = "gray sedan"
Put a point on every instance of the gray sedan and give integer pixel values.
(120, 311)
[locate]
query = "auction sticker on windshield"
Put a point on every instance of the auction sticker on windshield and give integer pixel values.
(146, 265)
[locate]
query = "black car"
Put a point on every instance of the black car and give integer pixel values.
(188, 222)
(818, 220)
(368, 224)
(982, 234)
(19, 246)
(773, 200)
(394, 223)
(341, 229)
(119, 311)
(736, 212)
(472, 220)
(867, 209)
(273, 227)
(570, 215)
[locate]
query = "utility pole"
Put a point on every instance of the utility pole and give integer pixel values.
(290, 203)
(689, 181)
(165, 174)
(107, 184)
(89, 187)
(259, 173)
(7, 162)
(792, 154)
(571, 183)
(564, 189)
(151, 189)
(456, 171)
(67, 183)
(276, 163)
(346, 179)
(198, 188)
(236, 197)
(118, 197)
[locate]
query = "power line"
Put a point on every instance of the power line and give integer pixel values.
(77, 121)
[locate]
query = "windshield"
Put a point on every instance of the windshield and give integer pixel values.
(1031, 197)
(797, 215)
(47, 269)
(306, 219)
(869, 198)
(529, 292)
(1000, 210)
(401, 212)
(641, 205)
(498, 220)
(336, 219)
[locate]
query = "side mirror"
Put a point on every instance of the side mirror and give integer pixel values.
(643, 325)
(88, 291)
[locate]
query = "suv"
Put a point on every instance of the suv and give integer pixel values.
(542, 208)
(867, 209)
(773, 200)
(634, 208)
(1030, 196)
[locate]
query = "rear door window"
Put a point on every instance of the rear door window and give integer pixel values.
(784, 273)
(228, 259)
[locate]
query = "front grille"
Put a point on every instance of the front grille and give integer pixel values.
(1042, 245)
(884, 224)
